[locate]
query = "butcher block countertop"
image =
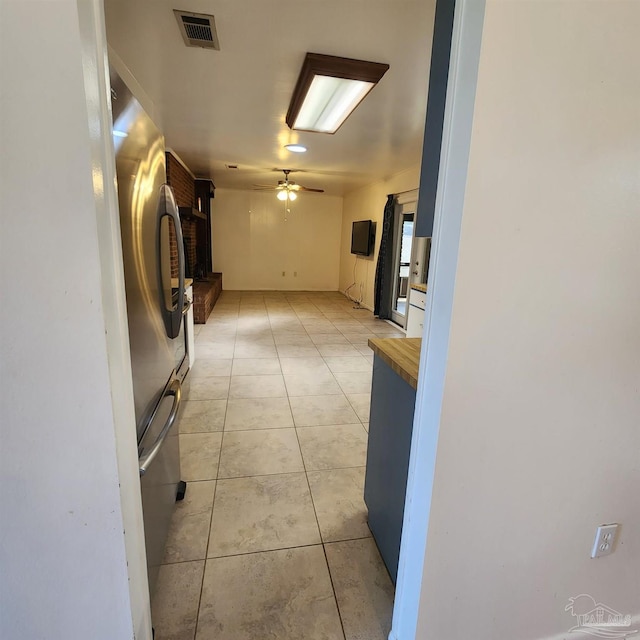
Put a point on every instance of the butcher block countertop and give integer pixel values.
(420, 287)
(401, 354)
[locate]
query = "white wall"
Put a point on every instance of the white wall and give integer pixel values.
(538, 436)
(253, 244)
(367, 203)
(68, 493)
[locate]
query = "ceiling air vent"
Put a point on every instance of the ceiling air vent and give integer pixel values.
(198, 29)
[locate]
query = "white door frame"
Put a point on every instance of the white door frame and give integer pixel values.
(454, 156)
(96, 78)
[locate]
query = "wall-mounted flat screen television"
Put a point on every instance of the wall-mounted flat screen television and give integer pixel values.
(363, 236)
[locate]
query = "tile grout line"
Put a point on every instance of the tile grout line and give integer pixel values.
(324, 551)
(345, 394)
(287, 473)
(215, 491)
(253, 553)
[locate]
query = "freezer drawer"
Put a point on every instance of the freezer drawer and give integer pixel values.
(160, 474)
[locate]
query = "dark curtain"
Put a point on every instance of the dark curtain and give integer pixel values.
(384, 270)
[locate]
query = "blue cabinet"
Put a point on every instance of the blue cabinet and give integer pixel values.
(390, 427)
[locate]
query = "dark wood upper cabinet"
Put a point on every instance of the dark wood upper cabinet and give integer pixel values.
(204, 192)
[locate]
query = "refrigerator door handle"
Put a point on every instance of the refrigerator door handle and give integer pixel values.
(167, 207)
(174, 389)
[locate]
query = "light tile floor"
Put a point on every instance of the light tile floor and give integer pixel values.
(272, 538)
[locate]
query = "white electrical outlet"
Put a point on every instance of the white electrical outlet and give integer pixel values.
(605, 538)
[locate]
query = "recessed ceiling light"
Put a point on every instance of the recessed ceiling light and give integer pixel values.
(296, 148)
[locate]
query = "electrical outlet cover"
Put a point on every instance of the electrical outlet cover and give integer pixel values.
(605, 539)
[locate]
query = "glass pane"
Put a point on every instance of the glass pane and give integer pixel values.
(407, 239)
(402, 283)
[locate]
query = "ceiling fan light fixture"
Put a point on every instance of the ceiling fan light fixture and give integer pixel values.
(296, 148)
(286, 189)
(329, 88)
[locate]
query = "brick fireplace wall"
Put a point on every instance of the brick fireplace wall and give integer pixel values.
(207, 289)
(180, 180)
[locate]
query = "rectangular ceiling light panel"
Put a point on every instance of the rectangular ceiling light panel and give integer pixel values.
(328, 103)
(329, 88)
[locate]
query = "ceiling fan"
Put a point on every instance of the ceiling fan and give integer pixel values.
(285, 189)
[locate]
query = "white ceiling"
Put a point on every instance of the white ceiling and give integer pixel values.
(229, 106)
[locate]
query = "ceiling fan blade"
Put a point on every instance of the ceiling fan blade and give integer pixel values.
(285, 184)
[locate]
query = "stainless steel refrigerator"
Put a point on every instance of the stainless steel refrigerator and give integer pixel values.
(154, 283)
